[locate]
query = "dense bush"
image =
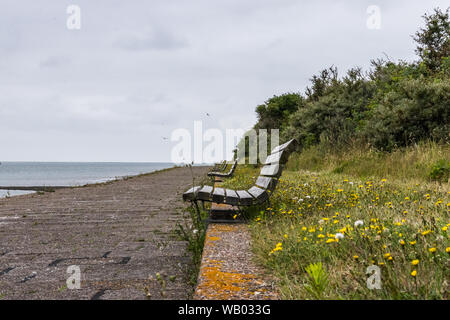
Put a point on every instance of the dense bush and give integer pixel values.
(394, 104)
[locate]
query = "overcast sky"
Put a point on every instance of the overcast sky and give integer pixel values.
(137, 70)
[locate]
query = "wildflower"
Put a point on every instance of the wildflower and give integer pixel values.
(355, 257)
(359, 223)
(340, 190)
(194, 231)
(387, 255)
(447, 249)
(402, 242)
(415, 262)
(426, 232)
(432, 250)
(285, 236)
(339, 236)
(406, 198)
(444, 228)
(330, 240)
(320, 236)
(413, 242)
(278, 247)
(414, 273)
(383, 180)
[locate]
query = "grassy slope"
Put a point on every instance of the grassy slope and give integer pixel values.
(405, 218)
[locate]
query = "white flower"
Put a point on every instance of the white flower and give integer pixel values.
(194, 231)
(359, 223)
(308, 197)
(339, 235)
(300, 200)
(351, 183)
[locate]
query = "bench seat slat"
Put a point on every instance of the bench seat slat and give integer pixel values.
(205, 193)
(290, 144)
(259, 194)
(272, 170)
(264, 182)
(232, 197)
(218, 195)
(245, 198)
(273, 158)
(191, 193)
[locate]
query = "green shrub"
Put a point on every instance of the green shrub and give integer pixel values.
(440, 171)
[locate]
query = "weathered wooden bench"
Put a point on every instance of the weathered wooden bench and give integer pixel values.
(228, 174)
(220, 167)
(257, 194)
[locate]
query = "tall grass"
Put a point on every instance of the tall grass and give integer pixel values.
(409, 163)
(334, 214)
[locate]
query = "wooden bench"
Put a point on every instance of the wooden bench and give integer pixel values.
(257, 194)
(228, 174)
(220, 167)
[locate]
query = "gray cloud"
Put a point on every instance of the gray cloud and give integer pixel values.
(154, 39)
(138, 70)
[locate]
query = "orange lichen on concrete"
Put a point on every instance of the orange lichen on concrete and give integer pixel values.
(222, 285)
(226, 271)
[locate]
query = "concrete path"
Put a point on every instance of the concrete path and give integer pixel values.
(119, 234)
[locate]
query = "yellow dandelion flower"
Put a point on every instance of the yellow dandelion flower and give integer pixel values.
(415, 262)
(432, 250)
(414, 273)
(355, 257)
(426, 232)
(447, 249)
(413, 242)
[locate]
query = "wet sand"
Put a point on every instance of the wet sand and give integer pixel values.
(120, 234)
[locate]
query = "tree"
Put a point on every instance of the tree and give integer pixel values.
(433, 41)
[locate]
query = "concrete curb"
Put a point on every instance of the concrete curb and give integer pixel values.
(227, 271)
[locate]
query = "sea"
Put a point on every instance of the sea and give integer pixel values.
(25, 174)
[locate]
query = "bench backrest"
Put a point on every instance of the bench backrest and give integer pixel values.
(273, 166)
